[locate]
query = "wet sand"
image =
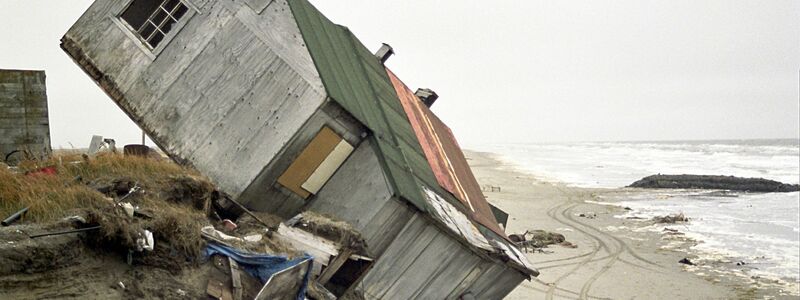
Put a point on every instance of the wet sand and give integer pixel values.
(616, 258)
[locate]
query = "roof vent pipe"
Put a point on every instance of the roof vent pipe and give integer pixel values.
(384, 52)
(427, 96)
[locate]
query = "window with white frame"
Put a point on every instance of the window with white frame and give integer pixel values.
(153, 19)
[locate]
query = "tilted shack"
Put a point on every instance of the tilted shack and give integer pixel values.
(24, 122)
(287, 111)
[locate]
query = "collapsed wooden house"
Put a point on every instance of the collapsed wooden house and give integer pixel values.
(24, 122)
(286, 112)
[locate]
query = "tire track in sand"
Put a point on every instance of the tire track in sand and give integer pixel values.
(560, 210)
(563, 214)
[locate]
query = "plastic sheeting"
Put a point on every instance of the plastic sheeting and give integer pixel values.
(262, 266)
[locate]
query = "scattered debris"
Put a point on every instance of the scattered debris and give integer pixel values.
(136, 150)
(539, 239)
(45, 171)
(491, 188)
(671, 219)
(588, 215)
(33, 236)
(567, 244)
(99, 144)
(129, 209)
(229, 225)
(15, 217)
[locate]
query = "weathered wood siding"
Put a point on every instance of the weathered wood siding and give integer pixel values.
(359, 194)
(266, 194)
(415, 258)
(423, 262)
(226, 94)
(24, 123)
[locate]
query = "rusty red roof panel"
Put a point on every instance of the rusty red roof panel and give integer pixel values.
(445, 156)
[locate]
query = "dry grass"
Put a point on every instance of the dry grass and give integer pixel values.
(336, 230)
(175, 197)
(49, 197)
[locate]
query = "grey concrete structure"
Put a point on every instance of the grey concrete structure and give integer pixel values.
(24, 123)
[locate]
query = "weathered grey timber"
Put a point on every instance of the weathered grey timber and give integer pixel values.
(714, 182)
(226, 95)
(233, 91)
(417, 258)
(24, 123)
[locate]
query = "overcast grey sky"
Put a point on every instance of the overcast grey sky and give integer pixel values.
(516, 71)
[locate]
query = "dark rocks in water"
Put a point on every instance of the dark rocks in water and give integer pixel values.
(715, 182)
(671, 219)
(686, 261)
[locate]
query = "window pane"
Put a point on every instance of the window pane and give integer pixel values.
(180, 11)
(147, 30)
(170, 4)
(159, 17)
(167, 25)
(157, 37)
(138, 12)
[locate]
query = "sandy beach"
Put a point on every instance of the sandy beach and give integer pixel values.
(615, 258)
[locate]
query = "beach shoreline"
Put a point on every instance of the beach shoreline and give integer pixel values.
(616, 258)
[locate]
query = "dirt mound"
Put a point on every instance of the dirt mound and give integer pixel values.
(188, 190)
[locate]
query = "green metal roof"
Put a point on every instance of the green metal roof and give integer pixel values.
(356, 79)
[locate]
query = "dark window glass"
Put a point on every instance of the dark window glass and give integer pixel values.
(137, 13)
(153, 19)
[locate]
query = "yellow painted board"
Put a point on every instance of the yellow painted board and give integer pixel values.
(309, 160)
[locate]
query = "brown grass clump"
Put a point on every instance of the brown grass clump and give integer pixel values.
(47, 196)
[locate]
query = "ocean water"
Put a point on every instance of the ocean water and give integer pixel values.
(761, 229)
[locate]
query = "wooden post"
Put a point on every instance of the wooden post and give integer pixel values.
(334, 266)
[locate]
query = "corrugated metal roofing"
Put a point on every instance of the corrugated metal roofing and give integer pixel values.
(445, 157)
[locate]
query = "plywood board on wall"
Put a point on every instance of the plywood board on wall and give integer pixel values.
(328, 166)
(321, 147)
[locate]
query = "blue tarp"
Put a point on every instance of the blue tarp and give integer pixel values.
(262, 266)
